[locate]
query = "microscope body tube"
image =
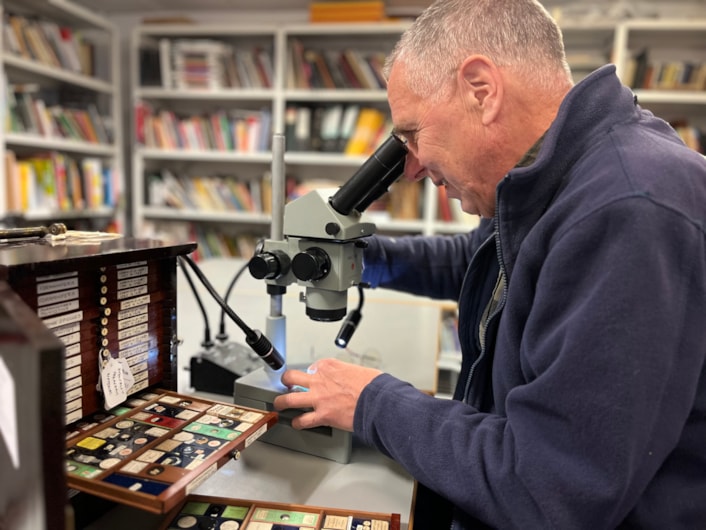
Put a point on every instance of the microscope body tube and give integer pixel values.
(372, 179)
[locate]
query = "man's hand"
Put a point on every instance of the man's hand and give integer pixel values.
(333, 391)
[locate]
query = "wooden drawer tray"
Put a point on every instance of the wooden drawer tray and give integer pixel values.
(201, 511)
(158, 447)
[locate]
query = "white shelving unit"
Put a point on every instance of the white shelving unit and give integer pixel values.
(301, 165)
(100, 88)
(665, 41)
(243, 166)
(588, 47)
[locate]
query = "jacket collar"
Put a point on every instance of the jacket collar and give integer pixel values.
(585, 116)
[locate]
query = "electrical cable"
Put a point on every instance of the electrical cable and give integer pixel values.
(350, 324)
(207, 342)
(254, 338)
(222, 335)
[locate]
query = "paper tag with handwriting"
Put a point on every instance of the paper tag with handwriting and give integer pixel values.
(116, 380)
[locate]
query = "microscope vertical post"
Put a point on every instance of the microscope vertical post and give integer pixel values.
(275, 326)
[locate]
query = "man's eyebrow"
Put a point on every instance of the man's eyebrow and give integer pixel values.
(401, 131)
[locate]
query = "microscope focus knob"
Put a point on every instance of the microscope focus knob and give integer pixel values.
(268, 265)
(312, 264)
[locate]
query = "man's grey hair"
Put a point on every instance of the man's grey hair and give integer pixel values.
(517, 34)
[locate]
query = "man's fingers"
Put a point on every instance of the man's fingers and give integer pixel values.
(306, 420)
(292, 400)
(291, 378)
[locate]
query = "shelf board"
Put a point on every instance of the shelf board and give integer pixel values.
(410, 226)
(445, 227)
(33, 68)
(226, 94)
(318, 95)
(63, 11)
(686, 97)
(313, 158)
(59, 144)
(37, 215)
(206, 30)
(355, 29)
(193, 155)
(157, 212)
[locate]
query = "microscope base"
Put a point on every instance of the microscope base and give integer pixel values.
(256, 390)
(209, 376)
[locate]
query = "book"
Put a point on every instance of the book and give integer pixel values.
(28, 185)
(301, 137)
(75, 184)
(346, 10)
(405, 199)
(348, 122)
(365, 76)
(70, 48)
(13, 188)
(331, 127)
(370, 121)
(58, 162)
(444, 208)
(92, 172)
(165, 63)
(46, 184)
(298, 76)
(17, 23)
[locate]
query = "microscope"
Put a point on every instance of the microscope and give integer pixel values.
(317, 243)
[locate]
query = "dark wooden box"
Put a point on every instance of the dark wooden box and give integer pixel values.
(114, 299)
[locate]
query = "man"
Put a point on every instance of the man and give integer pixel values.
(582, 295)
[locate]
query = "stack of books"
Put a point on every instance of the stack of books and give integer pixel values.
(346, 11)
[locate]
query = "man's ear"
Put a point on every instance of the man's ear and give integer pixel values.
(482, 83)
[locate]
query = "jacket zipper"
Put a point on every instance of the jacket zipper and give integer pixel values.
(490, 317)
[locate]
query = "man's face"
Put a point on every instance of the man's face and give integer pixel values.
(445, 141)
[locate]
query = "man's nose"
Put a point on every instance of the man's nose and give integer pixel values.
(412, 168)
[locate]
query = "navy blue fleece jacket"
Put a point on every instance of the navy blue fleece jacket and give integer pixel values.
(586, 409)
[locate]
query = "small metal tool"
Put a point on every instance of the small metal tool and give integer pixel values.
(53, 229)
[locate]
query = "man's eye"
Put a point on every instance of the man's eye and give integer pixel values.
(409, 137)
(402, 137)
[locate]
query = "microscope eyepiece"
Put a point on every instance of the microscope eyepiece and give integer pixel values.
(372, 179)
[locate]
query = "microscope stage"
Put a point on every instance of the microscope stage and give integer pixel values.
(259, 388)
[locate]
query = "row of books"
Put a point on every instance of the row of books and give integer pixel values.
(334, 69)
(47, 42)
(665, 75)
(206, 64)
(212, 241)
(239, 130)
(351, 129)
(692, 136)
(404, 200)
(54, 182)
(346, 11)
(29, 112)
(215, 193)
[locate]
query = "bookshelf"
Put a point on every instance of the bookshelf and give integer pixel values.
(587, 46)
(203, 114)
(297, 106)
(304, 97)
(61, 140)
(664, 61)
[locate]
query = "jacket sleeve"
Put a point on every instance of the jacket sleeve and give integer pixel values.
(432, 266)
(598, 371)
